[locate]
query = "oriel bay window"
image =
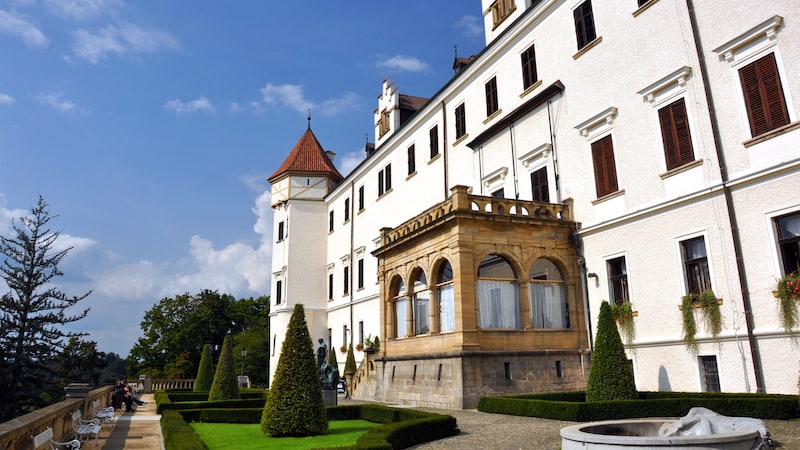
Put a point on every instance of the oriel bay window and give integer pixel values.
(446, 295)
(400, 310)
(548, 296)
(498, 294)
(421, 296)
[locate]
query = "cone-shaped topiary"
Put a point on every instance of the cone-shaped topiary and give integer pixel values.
(610, 377)
(205, 373)
(350, 362)
(332, 359)
(225, 385)
(294, 405)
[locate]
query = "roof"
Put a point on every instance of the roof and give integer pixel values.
(307, 156)
(411, 102)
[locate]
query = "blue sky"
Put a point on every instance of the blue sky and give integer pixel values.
(150, 128)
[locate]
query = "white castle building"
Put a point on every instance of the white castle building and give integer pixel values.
(594, 150)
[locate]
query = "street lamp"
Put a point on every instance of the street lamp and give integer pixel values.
(244, 353)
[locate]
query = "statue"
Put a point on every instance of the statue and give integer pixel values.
(322, 352)
(328, 376)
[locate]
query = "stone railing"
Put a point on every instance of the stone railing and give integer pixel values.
(462, 201)
(17, 433)
(159, 384)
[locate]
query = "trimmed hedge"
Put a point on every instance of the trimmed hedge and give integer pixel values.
(571, 406)
(216, 404)
(178, 435)
(223, 415)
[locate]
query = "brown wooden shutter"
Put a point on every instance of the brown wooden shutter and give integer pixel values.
(676, 135)
(605, 171)
(763, 95)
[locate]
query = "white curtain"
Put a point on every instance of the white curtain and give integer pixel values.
(789, 226)
(497, 304)
(421, 302)
(548, 305)
(401, 313)
(447, 310)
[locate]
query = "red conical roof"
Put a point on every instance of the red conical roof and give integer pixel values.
(307, 156)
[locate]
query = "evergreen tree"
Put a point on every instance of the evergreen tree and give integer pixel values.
(332, 359)
(350, 361)
(295, 406)
(225, 385)
(33, 313)
(205, 373)
(611, 377)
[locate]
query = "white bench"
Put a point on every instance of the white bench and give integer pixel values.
(104, 415)
(85, 429)
(46, 437)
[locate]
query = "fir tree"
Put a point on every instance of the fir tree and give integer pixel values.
(33, 313)
(350, 362)
(610, 377)
(225, 385)
(295, 406)
(332, 359)
(205, 372)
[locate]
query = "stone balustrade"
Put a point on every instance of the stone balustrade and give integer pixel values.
(158, 384)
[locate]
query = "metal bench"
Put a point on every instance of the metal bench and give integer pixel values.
(104, 415)
(46, 437)
(85, 428)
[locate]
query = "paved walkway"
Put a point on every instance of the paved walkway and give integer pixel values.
(142, 430)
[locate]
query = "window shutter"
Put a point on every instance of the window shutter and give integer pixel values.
(763, 95)
(676, 135)
(584, 24)
(605, 172)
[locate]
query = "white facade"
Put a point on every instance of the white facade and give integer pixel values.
(642, 59)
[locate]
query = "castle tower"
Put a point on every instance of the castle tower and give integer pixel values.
(300, 223)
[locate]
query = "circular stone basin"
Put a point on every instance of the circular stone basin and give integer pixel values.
(643, 433)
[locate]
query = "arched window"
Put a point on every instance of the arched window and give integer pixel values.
(548, 297)
(400, 310)
(498, 304)
(421, 296)
(446, 291)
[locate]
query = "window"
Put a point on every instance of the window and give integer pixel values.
(433, 134)
(788, 230)
(541, 192)
(763, 95)
(529, 75)
(675, 134)
(547, 295)
(281, 231)
(584, 24)
(641, 2)
(344, 335)
(500, 10)
(491, 96)
(330, 286)
(400, 310)
(383, 123)
(498, 304)
(710, 374)
(346, 209)
(412, 163)
(446, 295)
(330, 221)
(361, 332)
(385, 180)
(361, 273)
(278, 292)
(346, 279)
(618, 280)
(605, 171)
(421, 298)
(695, 264)
(461, 121)
(361, 198)
(500, 193)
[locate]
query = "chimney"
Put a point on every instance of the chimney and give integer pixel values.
(330, 154)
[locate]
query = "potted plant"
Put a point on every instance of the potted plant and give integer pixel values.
(623, 315)
(343, 349)
(359, 347)
(372, 345)
(689, 325)
(708, 302)
(788, 294)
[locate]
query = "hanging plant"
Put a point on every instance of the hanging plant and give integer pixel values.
(689, 325)
(711, 313)
(623, 315)
(788, 294)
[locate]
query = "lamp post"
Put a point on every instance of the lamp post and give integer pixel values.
(244, 353)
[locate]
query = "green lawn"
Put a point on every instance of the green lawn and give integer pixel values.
(222, 436)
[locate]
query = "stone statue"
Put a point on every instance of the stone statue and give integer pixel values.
(322, 352)
(328, 376)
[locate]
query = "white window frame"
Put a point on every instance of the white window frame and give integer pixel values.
(682, 265)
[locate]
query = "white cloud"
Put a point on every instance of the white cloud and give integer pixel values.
(469, 26)
(120, 40)
(350, 160)
(6, 99)
(403, 63)
(291, 95)
(82, 9)
(55, 100)
(22, 28)
(200, 104)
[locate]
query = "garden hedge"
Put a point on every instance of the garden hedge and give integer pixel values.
(571, 406)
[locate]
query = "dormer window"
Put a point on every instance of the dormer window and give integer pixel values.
(500, 10)
(383, 124)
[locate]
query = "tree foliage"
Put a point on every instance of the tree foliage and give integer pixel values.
(350, 361)
(225, 385)
(205, 373)
(33, 312)
(295, 406)
(176, 329)
(80, 362)
(611, 377)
